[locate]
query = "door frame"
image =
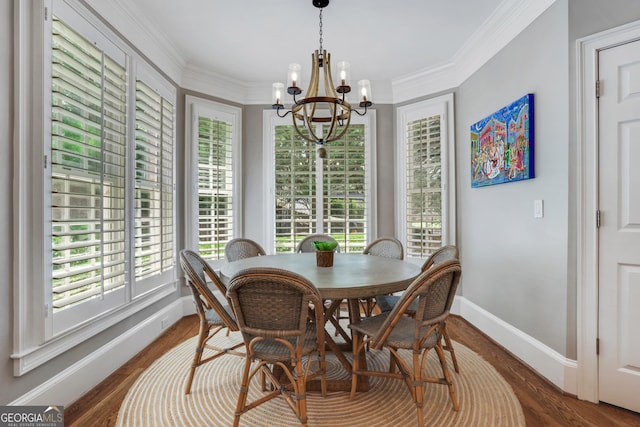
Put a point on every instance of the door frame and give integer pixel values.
(587, 51)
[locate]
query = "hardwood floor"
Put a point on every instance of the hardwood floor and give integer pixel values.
(542, 403)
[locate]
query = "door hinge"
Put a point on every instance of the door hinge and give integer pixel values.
(597, 345)
(45, 161)
(46, 13)
(598, 218)
(597, 88)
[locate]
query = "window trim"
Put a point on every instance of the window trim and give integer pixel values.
(269, 121)
(33, 343)
(443, 106)
(194, 105)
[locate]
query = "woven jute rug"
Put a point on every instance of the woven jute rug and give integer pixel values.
(157, 397)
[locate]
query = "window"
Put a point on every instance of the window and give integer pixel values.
(312, 195)
(213, 159)
(96, 223)
(426, 176)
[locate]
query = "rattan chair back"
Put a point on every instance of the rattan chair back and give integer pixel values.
(241, 248)
(445, 253)
(388, 247)
(198, 270)
(434, 290)
(306, 244)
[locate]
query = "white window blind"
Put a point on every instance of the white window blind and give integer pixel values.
(345, 190)
(88, 170)
(215, 186)
(154, 226)
(423, 186)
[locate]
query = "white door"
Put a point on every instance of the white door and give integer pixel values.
(619, 232)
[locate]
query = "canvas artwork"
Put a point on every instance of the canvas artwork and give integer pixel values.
(502, 145)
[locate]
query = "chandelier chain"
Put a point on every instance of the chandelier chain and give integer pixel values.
(320, 31)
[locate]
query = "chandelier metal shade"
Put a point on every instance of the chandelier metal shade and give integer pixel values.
(323, 102)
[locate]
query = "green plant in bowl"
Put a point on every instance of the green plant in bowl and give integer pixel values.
(325, 246)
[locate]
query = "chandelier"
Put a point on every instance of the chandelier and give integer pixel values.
(323, 102)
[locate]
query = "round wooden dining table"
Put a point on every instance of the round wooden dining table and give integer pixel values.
(353, 277)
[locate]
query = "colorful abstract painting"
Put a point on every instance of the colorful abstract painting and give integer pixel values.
(502, 145)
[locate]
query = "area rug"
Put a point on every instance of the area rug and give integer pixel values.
(157, 397)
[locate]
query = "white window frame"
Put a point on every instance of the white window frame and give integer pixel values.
(194, 108)
(34, 341)
(444, 107)
(269, 122)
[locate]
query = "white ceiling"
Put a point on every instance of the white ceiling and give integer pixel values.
(251, 42)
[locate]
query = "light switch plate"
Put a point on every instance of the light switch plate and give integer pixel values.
(538, 209)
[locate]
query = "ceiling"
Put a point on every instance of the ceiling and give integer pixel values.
(251, 42)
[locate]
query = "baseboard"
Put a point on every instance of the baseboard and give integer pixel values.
(72, 383)
(559, 370)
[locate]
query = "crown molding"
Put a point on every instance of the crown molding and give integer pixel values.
(129, 21)
(215, 84)
(504, 24)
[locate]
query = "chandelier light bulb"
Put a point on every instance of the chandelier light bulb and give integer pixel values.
(344, 73)
(294, 75)
(277, 92)
(364, 87)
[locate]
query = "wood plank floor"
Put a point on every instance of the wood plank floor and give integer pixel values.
(542, 403)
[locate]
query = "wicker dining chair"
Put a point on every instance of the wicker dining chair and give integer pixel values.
(241, 248)
(388, 247)
(332, 308)
(213, 315)
(387, 302)
(271, 306)
(306, 244)
(434, 291)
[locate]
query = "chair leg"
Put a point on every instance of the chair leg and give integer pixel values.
(449, 348)
(355, 362)
(418, 386)
(301, 394)
(447, 377)
(244, 389)
(197, 358)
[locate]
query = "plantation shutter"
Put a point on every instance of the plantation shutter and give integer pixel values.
(215, 186)
(295, 188)
(424, 187)
(88, 170)
(154, 228)
(344, 190)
